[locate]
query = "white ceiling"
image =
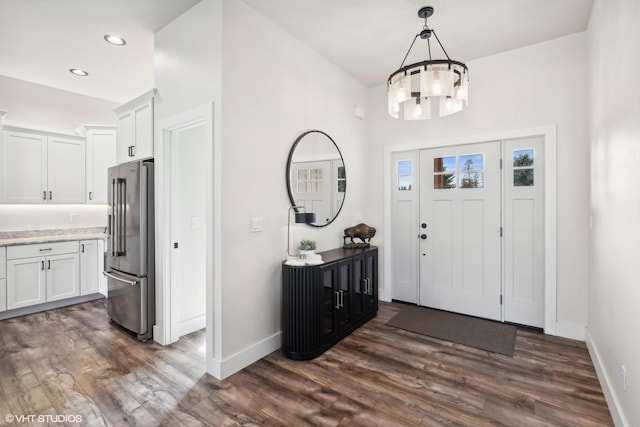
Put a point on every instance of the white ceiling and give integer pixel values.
(41, 39)
(369, 38)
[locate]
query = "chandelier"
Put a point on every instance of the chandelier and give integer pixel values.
(414, 89)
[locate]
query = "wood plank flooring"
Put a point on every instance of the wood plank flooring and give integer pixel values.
(72, 361)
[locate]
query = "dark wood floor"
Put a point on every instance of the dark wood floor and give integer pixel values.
(71, 361)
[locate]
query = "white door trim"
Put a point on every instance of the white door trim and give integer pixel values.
(550, 214)
(166, 328)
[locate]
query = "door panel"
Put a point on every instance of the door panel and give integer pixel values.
(524, 230)
(404, 223)
(460, 265)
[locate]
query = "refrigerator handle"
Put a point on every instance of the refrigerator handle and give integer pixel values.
(113, 223)
(119, 279)
(122, 205)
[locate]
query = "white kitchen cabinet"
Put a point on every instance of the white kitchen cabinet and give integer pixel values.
(89, 267)
(41, 273)
(101, 155)
(38, 168)
(25, 282)
(135, 128)
(63, 276)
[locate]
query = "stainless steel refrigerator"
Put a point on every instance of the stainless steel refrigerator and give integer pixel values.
(130, 260)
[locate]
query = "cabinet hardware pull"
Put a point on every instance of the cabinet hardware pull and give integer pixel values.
(337, 299)
(48, 264)
(82, 244)
(90, 195)
(45, 249)
(50, 195)
(44, 195)
(42, 265)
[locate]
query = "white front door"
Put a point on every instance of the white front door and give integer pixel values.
(460, 245)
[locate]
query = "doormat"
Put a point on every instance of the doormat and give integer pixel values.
(470, 331)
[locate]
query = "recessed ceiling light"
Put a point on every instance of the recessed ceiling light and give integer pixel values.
(118, 41)
(78, 72)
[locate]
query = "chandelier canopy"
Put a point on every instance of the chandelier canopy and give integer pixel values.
(413, 89)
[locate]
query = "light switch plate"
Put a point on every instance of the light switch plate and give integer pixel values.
(257, 224)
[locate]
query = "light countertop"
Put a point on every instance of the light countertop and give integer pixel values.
(10, 238)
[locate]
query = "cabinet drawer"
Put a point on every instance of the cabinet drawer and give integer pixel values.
(3, 262)
(42, 249)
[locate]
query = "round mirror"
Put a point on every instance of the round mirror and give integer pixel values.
(316, 177)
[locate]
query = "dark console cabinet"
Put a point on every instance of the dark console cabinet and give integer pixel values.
(321, 304)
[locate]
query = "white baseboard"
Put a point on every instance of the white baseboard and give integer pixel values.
(222, 369)
(605, 382)
(195, 324)
(574, 331)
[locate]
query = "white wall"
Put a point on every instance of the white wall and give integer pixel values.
(274, 89)
(188, 75)
(544, 84)
(614, 290)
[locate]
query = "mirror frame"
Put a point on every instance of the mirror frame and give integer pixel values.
(288, 173)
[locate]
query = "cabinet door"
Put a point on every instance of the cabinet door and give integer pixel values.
(65, 170)
(63, 276)
(88, 267)
(25, 282)
(345, 280)
(371, 282)
(358, 287)
(143, 131)
(125, 136)
(328, 280)
(3, 294)
(24, 168)
(101, 155)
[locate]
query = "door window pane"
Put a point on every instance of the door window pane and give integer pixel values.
(316, 180)
(342, 180)
(444, 172)
(523, 174)
(303, 177)
(471, 166)
(405, 176)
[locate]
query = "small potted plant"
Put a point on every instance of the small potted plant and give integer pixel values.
(307, 248)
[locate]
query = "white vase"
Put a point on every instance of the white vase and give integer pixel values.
(307, 254)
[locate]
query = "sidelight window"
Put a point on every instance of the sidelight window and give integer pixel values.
(523, 167)
(405, 175)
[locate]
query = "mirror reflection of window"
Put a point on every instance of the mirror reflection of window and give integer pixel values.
(342, 180)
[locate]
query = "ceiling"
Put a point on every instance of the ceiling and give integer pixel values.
(40, 40)
(369, 38)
